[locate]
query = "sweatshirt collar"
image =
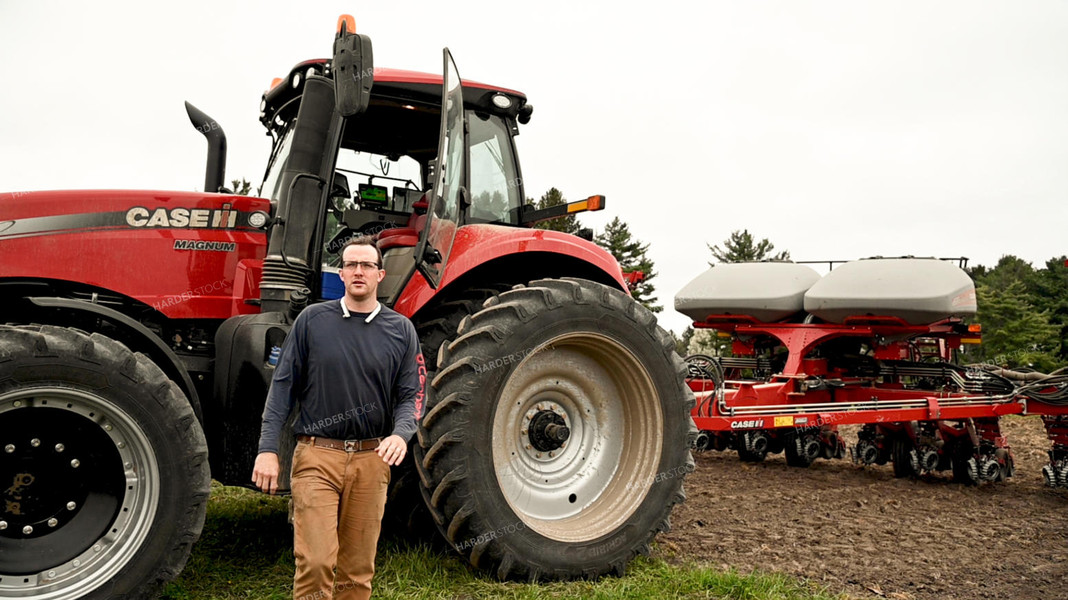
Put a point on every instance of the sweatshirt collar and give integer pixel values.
(374, 313)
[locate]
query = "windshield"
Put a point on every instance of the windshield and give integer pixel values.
(495, 190)
(273, 177)
(377, 181)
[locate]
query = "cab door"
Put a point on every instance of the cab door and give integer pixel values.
(449, 194)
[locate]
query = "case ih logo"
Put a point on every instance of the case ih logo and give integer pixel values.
(750, 424)
(140, 216)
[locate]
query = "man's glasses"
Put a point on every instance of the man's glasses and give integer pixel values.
(365, 265)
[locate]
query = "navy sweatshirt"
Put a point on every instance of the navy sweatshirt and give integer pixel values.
(349, 379)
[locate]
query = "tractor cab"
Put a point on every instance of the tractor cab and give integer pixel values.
(386, 164)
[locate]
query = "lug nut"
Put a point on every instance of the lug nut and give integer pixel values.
(60, 447)
(538, 454)
(75, 463)
(27, 530)
(122, 445)
(53, 522)
(17, 403)
(107, 427)
(77, 563)
(9, 448)
(3, 525)
(96, 548)
(35, 442)
(71, 505)
(51, 574)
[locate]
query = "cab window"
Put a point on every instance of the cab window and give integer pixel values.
(495, 190)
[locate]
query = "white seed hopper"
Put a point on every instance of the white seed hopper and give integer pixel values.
(917, 290)
(766, 291)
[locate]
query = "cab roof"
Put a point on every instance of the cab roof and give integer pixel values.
(398, 84)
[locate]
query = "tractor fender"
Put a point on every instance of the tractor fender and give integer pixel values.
(518, 253)
(145, 341)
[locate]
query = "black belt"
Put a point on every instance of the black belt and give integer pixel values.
(346, 445)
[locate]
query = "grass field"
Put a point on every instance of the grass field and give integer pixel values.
(246, 552)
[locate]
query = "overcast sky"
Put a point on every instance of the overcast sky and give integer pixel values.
(836, 129)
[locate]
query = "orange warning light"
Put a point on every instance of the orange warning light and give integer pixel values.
(346, 22)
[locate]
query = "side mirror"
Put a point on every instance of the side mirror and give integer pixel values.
(340, 188)
(353, 68)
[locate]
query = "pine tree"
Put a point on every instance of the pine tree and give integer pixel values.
(241, 187)
(1008, 270)
(1050, 293)
(709, 343)
(568, 224)
(682, 343)
(1018, 308)
(740, 247)
(1015, 334)
(631, 255)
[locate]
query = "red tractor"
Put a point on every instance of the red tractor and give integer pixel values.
(142, 327)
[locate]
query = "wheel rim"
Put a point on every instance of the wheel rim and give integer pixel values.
(590, 484)
(73, 448)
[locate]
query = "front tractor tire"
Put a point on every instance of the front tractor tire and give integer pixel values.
(557, 432)
(104, 471)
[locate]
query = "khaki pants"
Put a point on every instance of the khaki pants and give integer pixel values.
(338, 500)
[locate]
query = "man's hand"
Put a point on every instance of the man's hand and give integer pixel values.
(392, 450)
(265, 473)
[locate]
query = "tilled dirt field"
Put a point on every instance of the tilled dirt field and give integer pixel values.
(861, 532)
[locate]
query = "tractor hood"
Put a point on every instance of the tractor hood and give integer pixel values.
(51, 212)
(152, 246)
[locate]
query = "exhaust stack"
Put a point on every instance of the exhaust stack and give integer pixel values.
(215, 172)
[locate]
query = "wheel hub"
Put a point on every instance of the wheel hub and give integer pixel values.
(546, 427)
(42, 485)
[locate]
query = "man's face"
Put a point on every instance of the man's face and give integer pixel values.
(357, 273)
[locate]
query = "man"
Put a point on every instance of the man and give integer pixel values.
(354, 372)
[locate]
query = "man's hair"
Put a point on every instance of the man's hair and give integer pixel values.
(363, 240)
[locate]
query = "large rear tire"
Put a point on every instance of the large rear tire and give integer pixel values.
(406, 514)
(109, 465)
(558, 432)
